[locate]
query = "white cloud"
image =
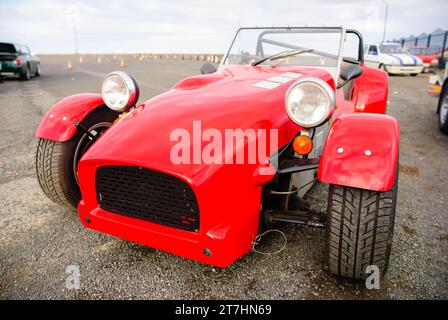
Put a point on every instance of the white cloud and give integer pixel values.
(197, 25)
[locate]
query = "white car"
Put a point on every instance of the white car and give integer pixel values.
(392, 58)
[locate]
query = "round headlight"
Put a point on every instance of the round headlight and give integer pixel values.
(309, 102)
(120, 91)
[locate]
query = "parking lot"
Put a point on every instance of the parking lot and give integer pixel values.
(39, 239)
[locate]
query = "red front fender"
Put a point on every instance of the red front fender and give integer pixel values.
(361, 152)
(58, 123)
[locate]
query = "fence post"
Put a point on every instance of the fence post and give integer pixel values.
(429, 41)
(402, 43)
(416, 41)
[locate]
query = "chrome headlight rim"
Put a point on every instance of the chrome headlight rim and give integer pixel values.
(133, 90)
(327, 90)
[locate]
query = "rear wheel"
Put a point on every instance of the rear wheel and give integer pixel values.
(37, 74)
(56, 162)
(359, 231)
(443, 110)
(414, 74)
(26, 75)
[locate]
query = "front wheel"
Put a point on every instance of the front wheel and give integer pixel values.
(414, 74)
(56, 162)
(360, 226)
(443, 111)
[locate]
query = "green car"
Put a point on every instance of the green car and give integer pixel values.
(16, 59)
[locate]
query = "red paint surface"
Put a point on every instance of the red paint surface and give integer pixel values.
(355, 134)
(58, 123)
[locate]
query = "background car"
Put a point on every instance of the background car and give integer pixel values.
(18, 60)
(392, 58)
(442, 108)
(429, 59)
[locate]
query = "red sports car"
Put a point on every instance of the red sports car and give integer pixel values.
(203, 169)
(430, 60)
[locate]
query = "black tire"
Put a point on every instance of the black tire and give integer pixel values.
(442, 110)
(360, 226)
(414, 74)
(26, 75)
(55, 165)
(38, 71)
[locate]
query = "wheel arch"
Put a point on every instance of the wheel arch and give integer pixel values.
(59, 122)
(361, 151)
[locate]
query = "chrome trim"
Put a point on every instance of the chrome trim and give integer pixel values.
(326, 88)
(131, 85)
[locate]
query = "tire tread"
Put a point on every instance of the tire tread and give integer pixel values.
(359, 230)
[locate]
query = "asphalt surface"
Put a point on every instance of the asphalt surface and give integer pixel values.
(39, 240)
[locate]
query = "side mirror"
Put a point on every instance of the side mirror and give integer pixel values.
(349, 73)
(208, 68)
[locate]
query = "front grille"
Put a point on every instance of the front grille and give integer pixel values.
(148, 195)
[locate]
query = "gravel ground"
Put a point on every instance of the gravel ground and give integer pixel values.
(38, 239)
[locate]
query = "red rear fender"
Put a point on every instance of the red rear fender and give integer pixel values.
(373, 91)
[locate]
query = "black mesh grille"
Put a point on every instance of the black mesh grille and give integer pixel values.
(148, 195)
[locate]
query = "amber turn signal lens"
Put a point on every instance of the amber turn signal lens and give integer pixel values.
(302, 145)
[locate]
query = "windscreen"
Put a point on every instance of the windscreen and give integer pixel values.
(313, 47)
(391, 49)
(7, 48)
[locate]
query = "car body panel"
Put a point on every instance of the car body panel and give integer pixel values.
(229, 205)
(59, 122)
(361, 152)
(368, 93)
(372, 93)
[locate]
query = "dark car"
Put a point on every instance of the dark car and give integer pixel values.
(16, 59)
(442, 108)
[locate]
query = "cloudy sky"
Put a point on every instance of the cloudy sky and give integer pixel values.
(109, 26)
